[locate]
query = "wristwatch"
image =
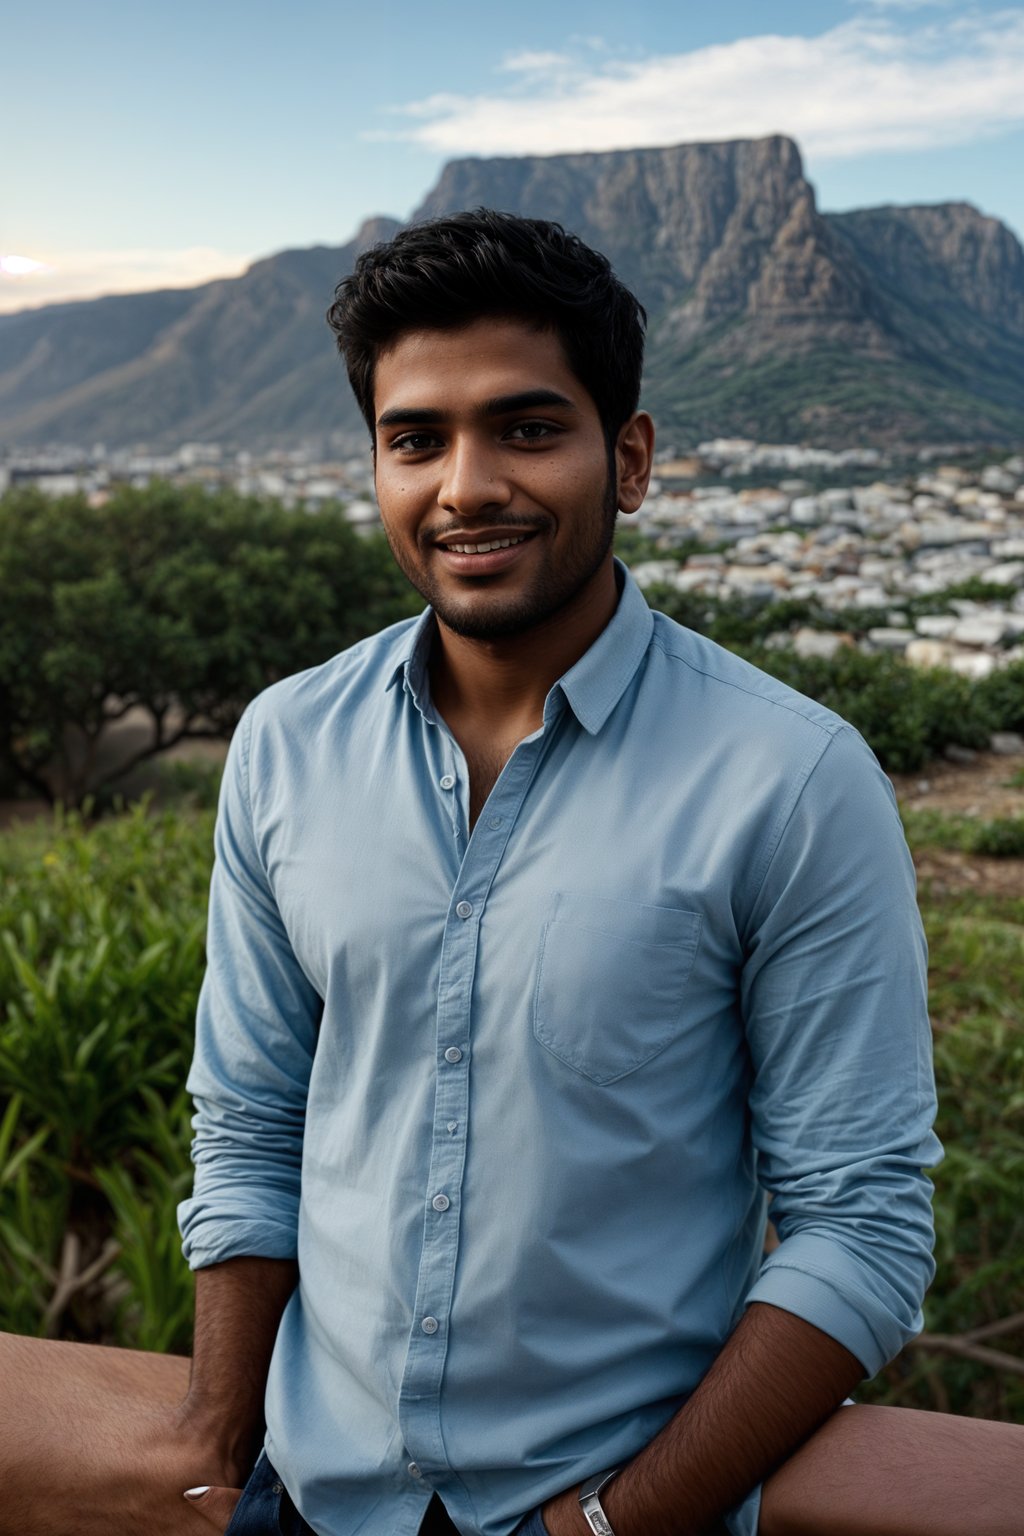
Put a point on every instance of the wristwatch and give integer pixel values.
(590, 1502)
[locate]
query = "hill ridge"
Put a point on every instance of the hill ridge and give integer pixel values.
(768, 318)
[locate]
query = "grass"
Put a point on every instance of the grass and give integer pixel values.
(101, 955)
(976, 947)
(999, 837)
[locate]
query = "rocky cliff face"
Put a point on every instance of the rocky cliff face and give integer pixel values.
(700, 231)
(767, 318)
(772, 319)
(946, 252)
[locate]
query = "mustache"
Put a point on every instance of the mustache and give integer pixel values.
(511, 524)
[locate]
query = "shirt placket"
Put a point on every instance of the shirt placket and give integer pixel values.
(429, 1339)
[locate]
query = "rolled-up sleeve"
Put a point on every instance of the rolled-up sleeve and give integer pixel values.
(834, 993)
(256, 1031)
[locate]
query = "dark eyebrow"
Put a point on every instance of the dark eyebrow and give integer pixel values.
(500, 405)
(526, 400)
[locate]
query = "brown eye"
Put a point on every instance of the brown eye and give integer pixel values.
(413, 442)
(533, 431)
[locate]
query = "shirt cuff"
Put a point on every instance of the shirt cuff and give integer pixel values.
(209, 1239)
(838, 1310)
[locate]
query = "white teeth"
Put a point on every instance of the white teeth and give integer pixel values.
(484, 549)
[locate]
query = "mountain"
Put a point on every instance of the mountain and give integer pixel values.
(246, 359)
(767, 318)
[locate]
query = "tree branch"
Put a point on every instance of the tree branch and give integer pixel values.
(1012, 1324)
(71, 1279)
(963, 1346)
(162, 744)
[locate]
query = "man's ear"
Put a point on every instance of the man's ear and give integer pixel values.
(634, 458)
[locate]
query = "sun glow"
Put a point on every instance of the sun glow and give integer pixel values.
(21, 266)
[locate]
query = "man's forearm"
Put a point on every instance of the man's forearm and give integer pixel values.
(775, 1381)
(238, 1310)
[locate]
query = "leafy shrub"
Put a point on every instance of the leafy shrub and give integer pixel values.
(101, 956)
(1003, 837)
(170, 602)
(1001, 696)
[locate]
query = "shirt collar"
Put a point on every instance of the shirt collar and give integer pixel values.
(410, 667)
(592, 686)
(596, 683)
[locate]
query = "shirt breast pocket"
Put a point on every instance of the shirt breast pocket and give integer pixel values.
(611, 982)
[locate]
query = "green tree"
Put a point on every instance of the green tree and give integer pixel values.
(168, 601)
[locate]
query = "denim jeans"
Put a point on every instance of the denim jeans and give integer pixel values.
(265, 1509)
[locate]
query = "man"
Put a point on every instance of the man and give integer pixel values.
(546, 938)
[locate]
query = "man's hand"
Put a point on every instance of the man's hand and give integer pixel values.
(216, 1505)
(172, 1456)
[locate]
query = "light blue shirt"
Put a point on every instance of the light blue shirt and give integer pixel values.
(515, 1099)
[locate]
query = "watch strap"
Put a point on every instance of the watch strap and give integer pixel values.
(590, 1503)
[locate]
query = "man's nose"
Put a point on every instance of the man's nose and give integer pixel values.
(473, 480)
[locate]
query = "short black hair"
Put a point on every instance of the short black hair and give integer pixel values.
(445, 273)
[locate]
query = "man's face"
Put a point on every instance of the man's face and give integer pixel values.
(492, 475)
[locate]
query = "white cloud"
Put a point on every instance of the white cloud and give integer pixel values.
(531, 63)
(86, 274)
(904, 5)
(862, 86)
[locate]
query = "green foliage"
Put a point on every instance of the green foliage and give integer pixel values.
(101, 956)
(1001, 695)
(1001, 838)
(976, 958)
(169, 601)
(736, 622)
(155, 1303)
(33, 1213)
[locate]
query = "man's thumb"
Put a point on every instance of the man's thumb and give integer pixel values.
(216, 1505)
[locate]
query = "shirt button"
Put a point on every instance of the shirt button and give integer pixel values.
(413, 1470)
(448, 781)
(494, 822)
(430, 1325)
(453, 1054)
(440, 1202)
(453, 1126)
(464, 910)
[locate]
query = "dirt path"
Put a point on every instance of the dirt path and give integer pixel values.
(984, 789)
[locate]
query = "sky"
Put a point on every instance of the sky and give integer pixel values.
(160, 145)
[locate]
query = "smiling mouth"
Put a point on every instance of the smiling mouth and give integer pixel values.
(484, 547)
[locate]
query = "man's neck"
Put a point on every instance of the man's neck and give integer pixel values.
(498, 687)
